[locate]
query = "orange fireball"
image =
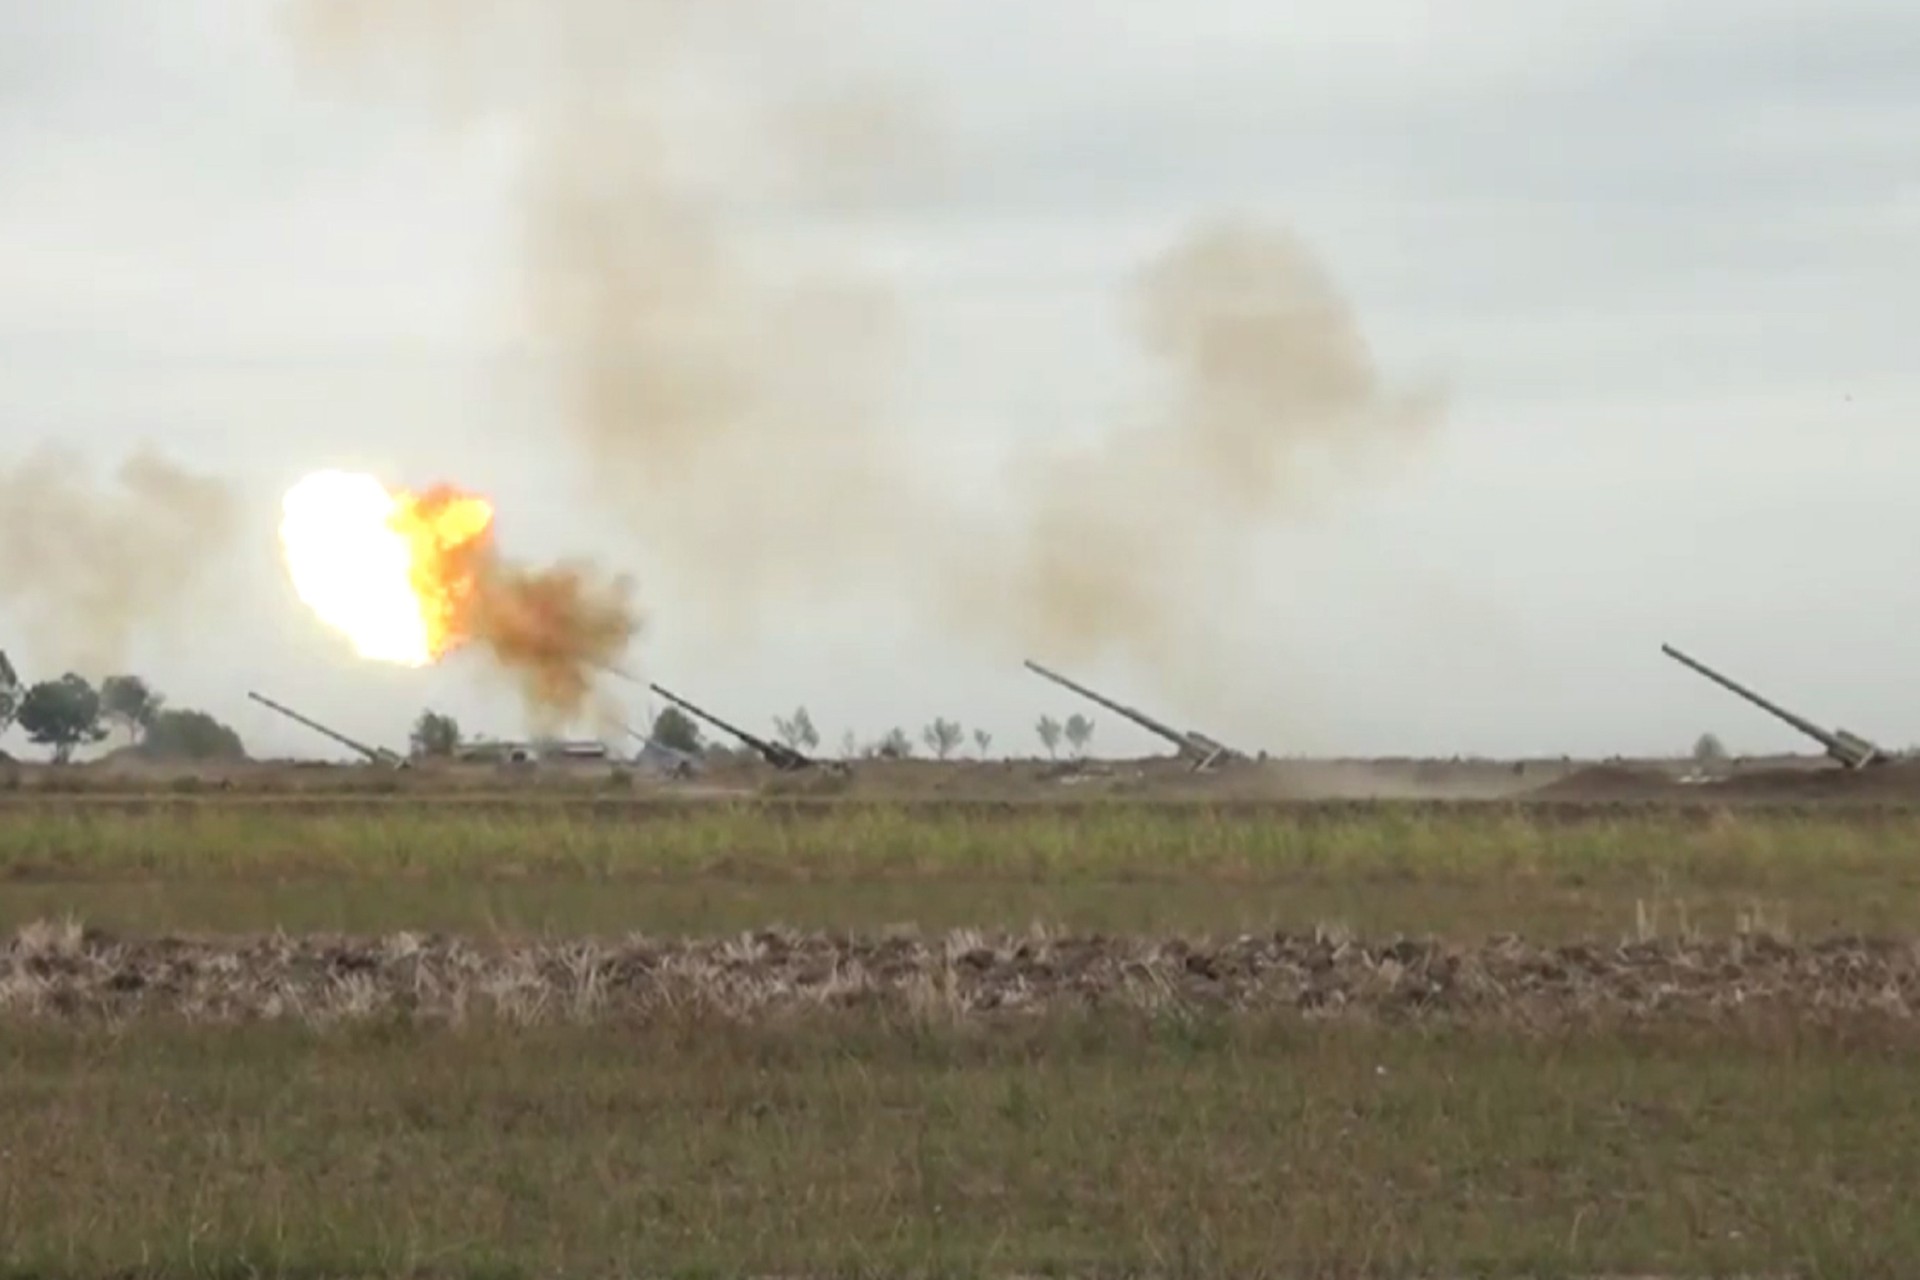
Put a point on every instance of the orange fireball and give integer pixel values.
(448, 534)
(410, 577)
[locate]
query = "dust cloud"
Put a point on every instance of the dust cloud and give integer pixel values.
(730, 417)
(86, 565)
(730, 402)
(723, 400)
(1136, 542)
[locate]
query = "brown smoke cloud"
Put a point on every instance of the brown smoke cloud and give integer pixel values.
(731, 404)
(553, 630)
(556, 631)
(725, 407)
(1134, 543)
(84, 565)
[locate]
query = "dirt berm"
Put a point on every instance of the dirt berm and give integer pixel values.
(1608, 782)
(63, 973)
(1897, 782)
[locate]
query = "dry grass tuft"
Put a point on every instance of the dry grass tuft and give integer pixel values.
(63, 971)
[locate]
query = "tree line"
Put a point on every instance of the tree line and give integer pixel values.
(437, 735)
(70, 712)
(942, 737)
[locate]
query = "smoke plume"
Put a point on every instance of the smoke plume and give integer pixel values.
(84, 565)
(1135, 542)
(732, 405)
(554, 630)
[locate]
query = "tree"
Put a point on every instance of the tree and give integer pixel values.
(942, 736)
(1050, 735)
(186, 734)
(676, 729)
(1079, 732)
(797, 732)
(10, 693)
(849, 745)
(895, 746)
(982, 739)
(1707, 749)
(435, 735)
(62, 714)
(131, 703)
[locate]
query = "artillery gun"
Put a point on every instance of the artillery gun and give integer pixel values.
(1203, 751)
(779, 756)
(1850, 749)
(377, 755)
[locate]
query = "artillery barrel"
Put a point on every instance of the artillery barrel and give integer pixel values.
(375, 754)
(1846, 748)
(773, 753)
(1184, 741)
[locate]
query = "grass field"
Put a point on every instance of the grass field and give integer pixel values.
(1463, 871)
(1073, 1148)
(1061, 1086)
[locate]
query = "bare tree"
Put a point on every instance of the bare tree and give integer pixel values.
(797, 731)
(849, 745)
(10, 692)
(982, 740)
(943, 736)
(895, 746)
(1079, 732)
(1050, 736)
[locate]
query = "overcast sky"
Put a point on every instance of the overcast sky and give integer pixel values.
(1663, 258)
